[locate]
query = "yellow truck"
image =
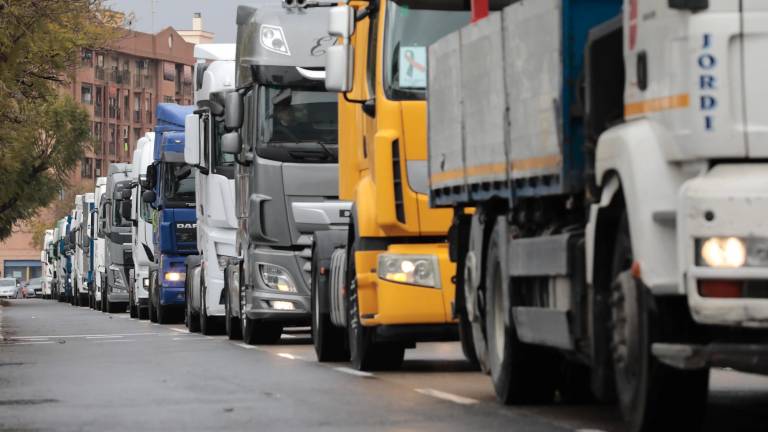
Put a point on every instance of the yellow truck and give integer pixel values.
(387, 282)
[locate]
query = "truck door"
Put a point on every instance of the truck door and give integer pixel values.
(754, 19)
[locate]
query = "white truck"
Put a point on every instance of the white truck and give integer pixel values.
(46, 258)
(82, 233)
(215, 188)
(141, 233)
(99, 245)
(606, 163)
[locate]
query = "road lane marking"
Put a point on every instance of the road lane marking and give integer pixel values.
(188, 338)
(114, 340)
(461, 400)
(81, 336)
(34, 343)
(103, 337)
(246, 346)
(354, 372)
(178, 330)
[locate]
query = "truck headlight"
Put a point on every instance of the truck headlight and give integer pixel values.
(223, 261)
(276, 278)
(175, 276)
(422, 270)
(732, 252)
(145, 282)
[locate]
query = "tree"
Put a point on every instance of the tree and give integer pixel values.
(43, 134)
(37, 163)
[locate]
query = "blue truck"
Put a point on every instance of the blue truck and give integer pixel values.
(171, 195)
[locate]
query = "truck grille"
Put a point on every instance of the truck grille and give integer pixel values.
(186, 238)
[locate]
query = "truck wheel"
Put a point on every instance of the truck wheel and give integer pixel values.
(467, 341)
(521, 373)
(365, 354)
(163, 314)
(652, 396)
(191, 318)
(329, 340)
(132, 307)
(231, 324)
(151, 305)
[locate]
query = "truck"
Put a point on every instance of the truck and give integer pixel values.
(48, 268)
(388, 283)
(214, 77)
(611, 154)
(99, 245)
(118, 257)
(171, 195)
(141, 231)
(82, 259)
(64, 263)
(284, 136)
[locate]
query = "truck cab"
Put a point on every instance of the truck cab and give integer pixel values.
(82, 264)
(118, 262)
(395, 260)
(287, 172)
(48, 268)
(214, 78)
(99, 244)
(172, 198)
(141, 231)
(64, 265)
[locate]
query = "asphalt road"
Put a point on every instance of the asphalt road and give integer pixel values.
(73, 369)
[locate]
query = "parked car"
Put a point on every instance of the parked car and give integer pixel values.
(35, 287)
(9, 288)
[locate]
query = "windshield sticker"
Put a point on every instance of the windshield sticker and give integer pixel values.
(413, 67)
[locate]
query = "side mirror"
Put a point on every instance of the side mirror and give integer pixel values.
(233, 111)
(151, 176)
(230, 143)
(125, 210)
(149, 196)
(338, 68)
(126, 194)
(341, 21)
(192, 140)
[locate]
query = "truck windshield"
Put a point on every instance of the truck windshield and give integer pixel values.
(297, 125)
(408, 34)
(179, 185)
(117, 217)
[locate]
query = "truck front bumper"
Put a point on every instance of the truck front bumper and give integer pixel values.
(729, 201)
(385, 302)
(269, 304)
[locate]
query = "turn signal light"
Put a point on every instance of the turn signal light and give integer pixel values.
(721, 288)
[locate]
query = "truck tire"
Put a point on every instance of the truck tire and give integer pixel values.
(132, 307)
(163, 314)
(143, 312)
(231, 324)
(521, 373)
(652, 396)
(191, 319)
(329, 340)
(208, 325)
(151, 302)
(365, 353)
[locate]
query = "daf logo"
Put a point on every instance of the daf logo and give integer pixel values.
(186, 225)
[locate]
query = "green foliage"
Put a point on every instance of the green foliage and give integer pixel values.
(43, 134)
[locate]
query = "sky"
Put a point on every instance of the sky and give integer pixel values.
(218, 15)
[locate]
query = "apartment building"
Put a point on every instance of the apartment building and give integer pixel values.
(120, 87)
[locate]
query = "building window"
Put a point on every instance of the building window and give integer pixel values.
(126, 105)
(97, 165)
(86, 94)
(168, 99)
(86, 57)
(98, 109)
(86, 168)
(97, 133)
(112, 140)
(112, 106)
(136, 134)
(169, 71)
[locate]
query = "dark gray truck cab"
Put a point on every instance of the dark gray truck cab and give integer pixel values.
(118, 262)
(287, 173)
